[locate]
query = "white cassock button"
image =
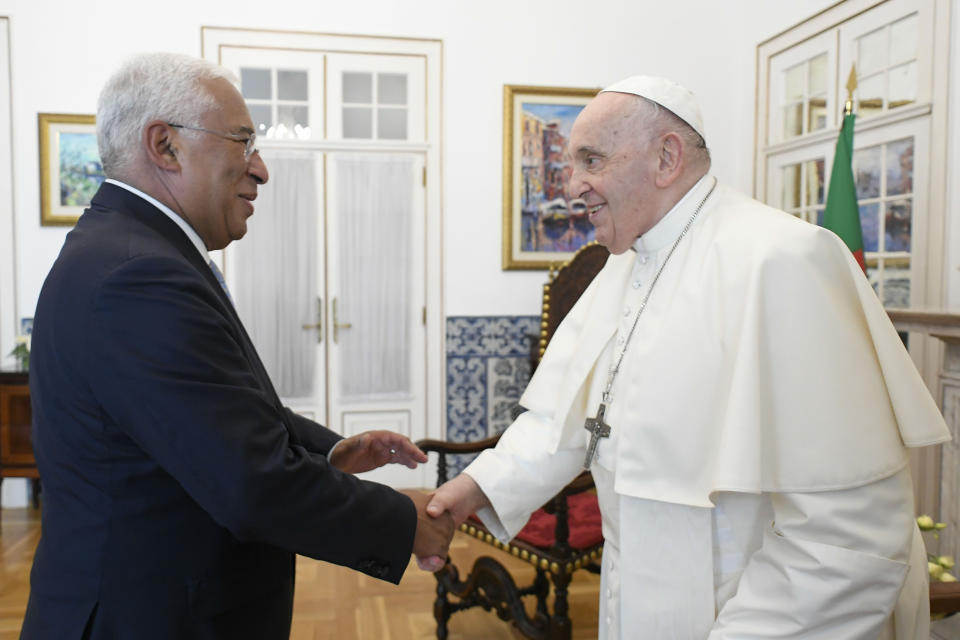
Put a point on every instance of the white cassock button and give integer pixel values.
(636, 284)
(620, 340)
(609, 621)
(609, 594)
(643, 259)
(626, 312)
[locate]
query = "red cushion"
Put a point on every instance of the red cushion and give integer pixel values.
(583, 515)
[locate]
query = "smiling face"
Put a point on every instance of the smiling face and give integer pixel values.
(613, 170)
(218, 185)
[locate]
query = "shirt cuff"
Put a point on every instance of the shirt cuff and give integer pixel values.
(332, 449)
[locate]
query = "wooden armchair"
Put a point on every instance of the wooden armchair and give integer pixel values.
(561, 537)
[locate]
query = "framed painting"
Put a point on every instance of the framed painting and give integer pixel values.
(70, 167)
(540, 229)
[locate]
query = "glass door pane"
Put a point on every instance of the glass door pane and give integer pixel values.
(284, 92)
(275, 272)
(374, 308)
(376, 273)
(884, 177)
(376, 98)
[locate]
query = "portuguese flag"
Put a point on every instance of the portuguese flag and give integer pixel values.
(843, 215)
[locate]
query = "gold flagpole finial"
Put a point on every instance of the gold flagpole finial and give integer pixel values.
(851, 87)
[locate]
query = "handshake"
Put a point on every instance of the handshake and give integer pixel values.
(439, 514)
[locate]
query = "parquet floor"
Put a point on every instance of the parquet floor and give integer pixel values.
(331, 603)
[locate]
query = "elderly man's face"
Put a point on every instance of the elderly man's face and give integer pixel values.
(612, 170)
(219, 183)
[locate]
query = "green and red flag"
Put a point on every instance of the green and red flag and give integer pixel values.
(843, 214)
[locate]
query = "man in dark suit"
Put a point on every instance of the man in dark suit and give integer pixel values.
(177, 488)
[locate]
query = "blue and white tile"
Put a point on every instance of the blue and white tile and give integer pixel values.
(488, 367)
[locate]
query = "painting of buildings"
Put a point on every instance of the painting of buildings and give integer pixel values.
(548, 224)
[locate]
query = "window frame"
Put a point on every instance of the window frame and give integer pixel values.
(846, 20)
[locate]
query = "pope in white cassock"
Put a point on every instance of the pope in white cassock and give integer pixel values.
(749, 400)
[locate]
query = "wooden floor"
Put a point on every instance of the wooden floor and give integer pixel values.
(331, 602)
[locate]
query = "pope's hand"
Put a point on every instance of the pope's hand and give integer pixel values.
(373, 449)
(461, 496)
(458, 498)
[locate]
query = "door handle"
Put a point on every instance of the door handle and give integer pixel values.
(337, 325)
(319, 325)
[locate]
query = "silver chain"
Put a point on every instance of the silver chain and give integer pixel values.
(643, 305)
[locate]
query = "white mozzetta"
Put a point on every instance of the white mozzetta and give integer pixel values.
(764, 382)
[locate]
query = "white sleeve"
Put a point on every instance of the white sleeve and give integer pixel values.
(831, 566)
(518, 476)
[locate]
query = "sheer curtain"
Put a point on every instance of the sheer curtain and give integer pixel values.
(374, 220)
(276, 272)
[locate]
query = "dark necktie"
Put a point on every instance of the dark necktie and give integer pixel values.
(219, 277)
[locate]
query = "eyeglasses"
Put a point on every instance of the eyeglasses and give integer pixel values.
(249, 142)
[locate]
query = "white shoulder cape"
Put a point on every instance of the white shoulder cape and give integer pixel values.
(763, 362)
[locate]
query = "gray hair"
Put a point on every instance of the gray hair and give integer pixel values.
(153, 86)
(659, 120)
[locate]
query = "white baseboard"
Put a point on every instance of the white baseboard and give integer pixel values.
(13, 492)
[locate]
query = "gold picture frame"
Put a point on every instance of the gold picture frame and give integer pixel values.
(538, 230)
(70, 167)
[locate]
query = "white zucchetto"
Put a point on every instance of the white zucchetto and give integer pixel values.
(668, 94)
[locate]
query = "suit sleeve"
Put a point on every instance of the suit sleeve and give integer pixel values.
(830, 566)
(315, 437)
(173, 375)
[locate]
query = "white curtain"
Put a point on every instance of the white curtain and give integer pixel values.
(374, 220)
(276, 272)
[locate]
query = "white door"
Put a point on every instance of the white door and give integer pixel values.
(375, 287)
(330, 280)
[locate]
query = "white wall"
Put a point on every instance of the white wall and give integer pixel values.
(62, 52)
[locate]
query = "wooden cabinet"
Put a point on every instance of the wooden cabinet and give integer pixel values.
(16, 449)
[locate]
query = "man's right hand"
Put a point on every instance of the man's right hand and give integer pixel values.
(457, 498)
(432, 540)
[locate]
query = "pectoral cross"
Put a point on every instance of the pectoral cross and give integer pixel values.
(598, 429)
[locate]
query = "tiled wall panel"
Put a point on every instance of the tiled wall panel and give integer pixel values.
(488, 367)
